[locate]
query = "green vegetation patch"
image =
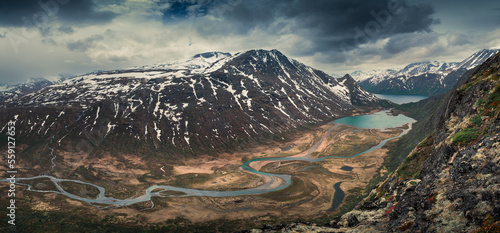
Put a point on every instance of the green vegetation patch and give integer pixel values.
(412, 165)
(354, 196)
(477, 120)
(487, 108)
(466, 136)
(187, 180)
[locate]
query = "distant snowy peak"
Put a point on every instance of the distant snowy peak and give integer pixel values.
(4, 87)
(360, 75)
(413, 69)
(18, 90)
(427, 67)
(477, 58)
(422, 78)
(419, 68)
(214, 56)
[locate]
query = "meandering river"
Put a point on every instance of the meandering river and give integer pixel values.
(273, 182)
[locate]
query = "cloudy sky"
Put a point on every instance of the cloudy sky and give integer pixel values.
(52, 37)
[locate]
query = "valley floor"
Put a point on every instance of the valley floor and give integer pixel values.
(309, 196)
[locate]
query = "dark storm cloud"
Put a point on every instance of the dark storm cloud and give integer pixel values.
(182, 9)
(340, 25)
(403, 42)
(76, 12)
(251, 14)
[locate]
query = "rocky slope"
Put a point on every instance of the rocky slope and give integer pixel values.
(421, 78)
(210, 103)
(450, 182)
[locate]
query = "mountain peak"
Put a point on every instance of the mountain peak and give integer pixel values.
(348, 76)
(212, 55)
(197, 63)
(36, 79)
(262, 52)
(477, 58)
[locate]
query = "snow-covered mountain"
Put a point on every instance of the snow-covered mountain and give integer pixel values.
(197, 63)
(211, 102)
(12, 91)
(18, 90)
(421, 78)
(360, 75)
(477, 59)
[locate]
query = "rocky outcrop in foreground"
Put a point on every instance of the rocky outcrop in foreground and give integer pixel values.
(451, 181)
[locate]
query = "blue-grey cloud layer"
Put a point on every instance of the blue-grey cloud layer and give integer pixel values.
(76, 12)
(328, 26)
(318, 30)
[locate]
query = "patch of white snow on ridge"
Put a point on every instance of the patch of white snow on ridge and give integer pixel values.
(341, 91)
(4, 88)
(236, 96)
(97, 114)
(117, 107)
(110, 127)
(186, 133)
(214, 89)
(244, 93)
(157, 107)
(264, 126)
(123, 74)
(219, 63)
(281, 108)
(158, 132)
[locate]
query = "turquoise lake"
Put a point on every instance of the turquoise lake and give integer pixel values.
(382, 119)
(402, 99)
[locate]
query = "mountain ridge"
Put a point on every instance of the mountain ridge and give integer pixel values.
(211, 103)
(421, 78)
(447, 183)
